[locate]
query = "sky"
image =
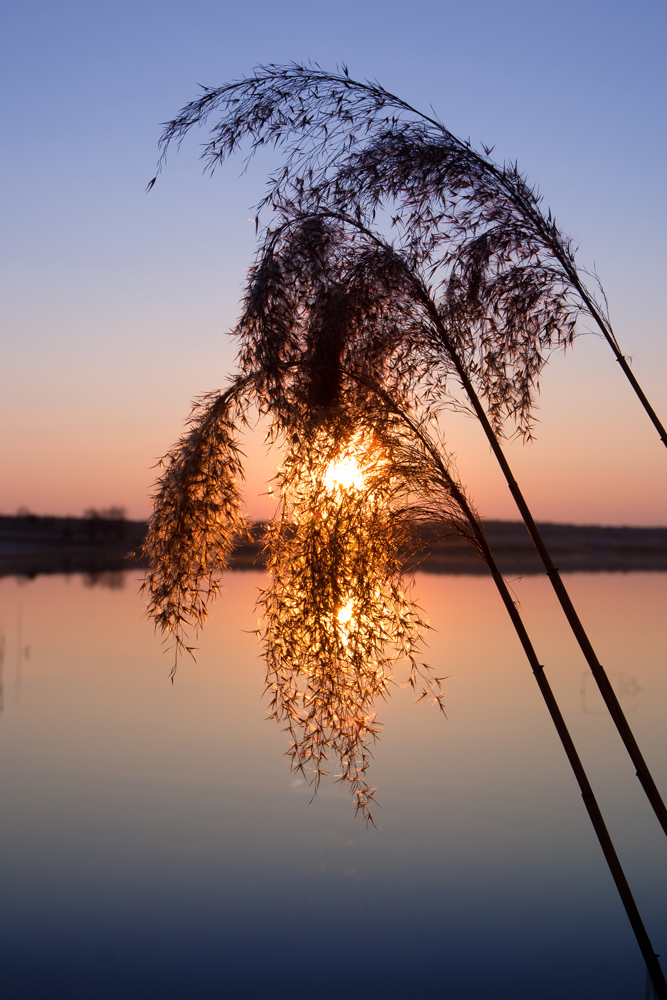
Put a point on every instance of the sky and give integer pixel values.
(116, 304)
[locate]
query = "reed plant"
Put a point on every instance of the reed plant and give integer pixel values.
(395, 329)
(338, 618)
(197, 517)
(344, 334)
(361, 475)
(493, 273)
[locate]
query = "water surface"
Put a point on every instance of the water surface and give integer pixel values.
(153, 843)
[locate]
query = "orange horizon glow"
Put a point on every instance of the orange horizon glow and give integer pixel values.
(611, 470)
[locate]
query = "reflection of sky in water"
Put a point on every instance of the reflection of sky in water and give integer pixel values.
(154, 844)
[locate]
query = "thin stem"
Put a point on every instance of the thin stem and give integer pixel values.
(603, 683)
(587, 794)
(422, 295)
(622, 360)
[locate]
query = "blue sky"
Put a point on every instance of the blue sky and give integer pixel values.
(115, 303)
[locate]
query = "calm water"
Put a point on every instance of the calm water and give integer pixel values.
(154, 845)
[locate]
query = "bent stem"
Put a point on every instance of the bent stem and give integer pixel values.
(601, 679)
(650, 958)
(598, 671)
(608, 335)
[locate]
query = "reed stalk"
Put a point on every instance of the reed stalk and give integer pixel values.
(597, 670)
(399, 329)
(324, 305)
(198, 515)
(481, 545)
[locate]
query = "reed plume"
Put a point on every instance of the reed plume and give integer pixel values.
(399, 326)
(343, 331)
(197, 515)
(338, 617)
(479, 226)
(501, 283)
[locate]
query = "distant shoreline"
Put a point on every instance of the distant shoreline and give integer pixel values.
(32, 545)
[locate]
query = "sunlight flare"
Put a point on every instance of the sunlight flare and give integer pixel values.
(344, 474)
(345, 613)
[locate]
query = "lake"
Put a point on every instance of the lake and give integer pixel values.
(153, 843)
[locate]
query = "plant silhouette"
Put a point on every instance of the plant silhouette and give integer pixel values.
(478, 227)
(337, 615)
(403, 339)
(352, 347)
(495, 275)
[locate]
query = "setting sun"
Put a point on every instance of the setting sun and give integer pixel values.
(344, 473)
(345, 613)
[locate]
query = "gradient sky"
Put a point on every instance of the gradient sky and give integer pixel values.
(116, 304)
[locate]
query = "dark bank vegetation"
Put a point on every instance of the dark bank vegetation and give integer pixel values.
(32, 544)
